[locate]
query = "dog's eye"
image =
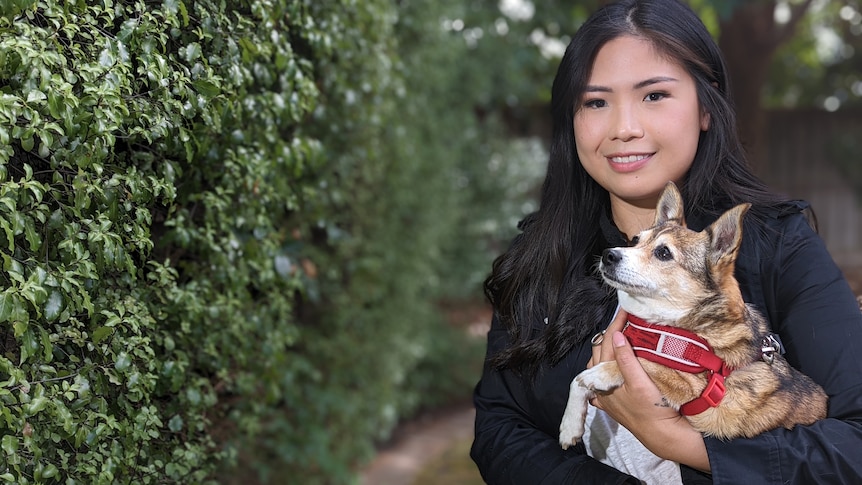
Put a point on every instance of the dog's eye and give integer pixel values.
(635, 240)
(663, 253)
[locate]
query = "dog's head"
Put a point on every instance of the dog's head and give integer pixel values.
(672, 268)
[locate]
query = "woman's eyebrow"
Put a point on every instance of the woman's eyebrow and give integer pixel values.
(639, 85)
(654, 80)
(597, 89)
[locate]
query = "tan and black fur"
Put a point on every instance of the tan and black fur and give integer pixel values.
(679, 277)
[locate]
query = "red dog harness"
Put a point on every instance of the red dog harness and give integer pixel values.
(680, 350)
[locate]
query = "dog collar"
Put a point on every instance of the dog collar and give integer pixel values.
(681, 350)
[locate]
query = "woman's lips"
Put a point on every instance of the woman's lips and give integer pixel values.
(628, 163)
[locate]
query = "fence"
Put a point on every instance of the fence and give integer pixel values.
(817, 156)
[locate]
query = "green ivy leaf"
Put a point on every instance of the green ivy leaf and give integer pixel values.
(33, 238)
(27, 143)
(208, 89)
(30, 345)
(47, 346)
(194, 396)
(54, 305)
(7, 303)
(9, 444)
(50, 471)
(10, 234)
(176, 423)
(123, 362)
(100, 333)
(192, 51)
(36, 405)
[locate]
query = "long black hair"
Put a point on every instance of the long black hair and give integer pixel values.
(547, 272)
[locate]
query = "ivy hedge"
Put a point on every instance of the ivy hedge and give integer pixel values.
(224, 227)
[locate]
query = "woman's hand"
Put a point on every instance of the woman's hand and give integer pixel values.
(605, 350)
(639, 406)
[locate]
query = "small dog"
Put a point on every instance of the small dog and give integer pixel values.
(728, 377)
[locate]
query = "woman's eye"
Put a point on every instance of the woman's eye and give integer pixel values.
(663, 253)
(595, 103)
(655, 96)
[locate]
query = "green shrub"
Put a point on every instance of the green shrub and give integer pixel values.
(149, 163)
(224, 229)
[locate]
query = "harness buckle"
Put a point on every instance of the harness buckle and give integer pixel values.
(769, 345)
(715, 390)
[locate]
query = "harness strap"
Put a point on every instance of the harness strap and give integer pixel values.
(681, 350)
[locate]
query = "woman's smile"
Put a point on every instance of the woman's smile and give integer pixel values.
(628, 163)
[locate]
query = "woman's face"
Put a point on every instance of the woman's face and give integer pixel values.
(638, 124)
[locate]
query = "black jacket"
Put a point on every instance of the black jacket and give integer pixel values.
(784, 270)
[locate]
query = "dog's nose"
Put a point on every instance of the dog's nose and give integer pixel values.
(611, 257)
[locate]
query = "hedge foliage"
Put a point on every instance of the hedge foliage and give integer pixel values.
(225, 226)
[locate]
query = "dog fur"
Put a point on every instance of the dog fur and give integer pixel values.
(679, 277)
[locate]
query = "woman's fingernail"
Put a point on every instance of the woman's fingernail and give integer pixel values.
(619, 339)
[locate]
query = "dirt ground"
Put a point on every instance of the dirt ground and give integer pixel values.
(419, 444)
(434, 447)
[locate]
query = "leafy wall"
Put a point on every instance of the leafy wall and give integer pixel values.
(224, 229)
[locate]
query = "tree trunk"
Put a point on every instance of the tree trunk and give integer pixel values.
(749, 39)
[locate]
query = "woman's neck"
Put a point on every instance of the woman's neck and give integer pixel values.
(631, 219)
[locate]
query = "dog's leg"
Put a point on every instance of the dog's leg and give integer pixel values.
(602, 377)
(572, 425)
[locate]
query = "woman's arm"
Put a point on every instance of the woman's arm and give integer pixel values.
(811, 307)
(510, 448)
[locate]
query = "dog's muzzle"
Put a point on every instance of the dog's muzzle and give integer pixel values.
(610, 257)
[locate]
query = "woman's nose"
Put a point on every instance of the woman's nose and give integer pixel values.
(626, 125)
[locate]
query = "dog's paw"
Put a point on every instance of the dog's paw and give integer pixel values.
(572, 424)
(602, 377)
(571, 430)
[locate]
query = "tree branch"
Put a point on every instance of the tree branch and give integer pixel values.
(786, 31)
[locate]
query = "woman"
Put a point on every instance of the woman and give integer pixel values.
(641, 98)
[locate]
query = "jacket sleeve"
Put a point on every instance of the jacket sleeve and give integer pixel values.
(509, 445)
(811, 307)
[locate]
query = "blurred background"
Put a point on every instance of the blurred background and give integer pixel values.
(796, 68)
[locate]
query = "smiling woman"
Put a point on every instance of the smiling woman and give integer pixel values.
(636, 127)
(641, 98)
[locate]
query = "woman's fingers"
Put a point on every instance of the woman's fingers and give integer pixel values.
(616, 325)
(603, 349)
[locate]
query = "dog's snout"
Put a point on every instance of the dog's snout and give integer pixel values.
(611, 257)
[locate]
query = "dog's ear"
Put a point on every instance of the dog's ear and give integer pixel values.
(726, 234)
(669, 207)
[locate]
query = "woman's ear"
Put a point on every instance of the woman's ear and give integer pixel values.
(704, 116)
(704, 121)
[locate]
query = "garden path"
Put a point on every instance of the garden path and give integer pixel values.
(417, 443)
